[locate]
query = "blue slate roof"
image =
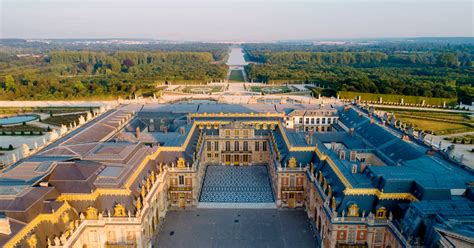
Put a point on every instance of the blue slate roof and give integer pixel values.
(424, 218)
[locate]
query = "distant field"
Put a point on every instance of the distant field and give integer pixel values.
(236, 76)
(397, 98)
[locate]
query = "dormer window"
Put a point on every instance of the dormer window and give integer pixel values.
(353, 211)
(381, 213)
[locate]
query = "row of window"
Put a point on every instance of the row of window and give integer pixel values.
(322, 129)
(245, 146)
(245, 133)
(317, 120)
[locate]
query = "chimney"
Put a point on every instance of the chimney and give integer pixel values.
(351, 131)
(342, 155)
(353, 156)
(137, 132)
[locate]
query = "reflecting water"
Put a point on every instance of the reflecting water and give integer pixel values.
(196, 101)
(17, 119)
(236, 57)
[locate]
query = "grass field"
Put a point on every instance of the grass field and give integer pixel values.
(236, 76)
(270, 89)
(438, 127)
(397, 98)
(201, 89)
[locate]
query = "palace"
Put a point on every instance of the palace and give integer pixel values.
(361, 183)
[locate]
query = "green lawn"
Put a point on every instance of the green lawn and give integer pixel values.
(202, 89)
(440, 123)
(397, 98)
(270, 89)
(236, 76)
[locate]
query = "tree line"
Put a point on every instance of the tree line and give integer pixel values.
(93, 74)
(422, 70)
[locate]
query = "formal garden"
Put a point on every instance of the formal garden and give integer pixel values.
(435, 122)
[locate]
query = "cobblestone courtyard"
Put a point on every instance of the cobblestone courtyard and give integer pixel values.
(235, 228)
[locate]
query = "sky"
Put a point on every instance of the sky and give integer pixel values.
(232, 20)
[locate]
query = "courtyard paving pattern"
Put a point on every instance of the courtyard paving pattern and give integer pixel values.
(242, 228)
(249, 184)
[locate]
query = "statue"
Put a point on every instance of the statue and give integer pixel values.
(143, 192)
(148, 185)
(152, 176)
(138, 204)
(57, 242)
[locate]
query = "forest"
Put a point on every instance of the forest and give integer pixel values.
(415, 69)
(108, 74)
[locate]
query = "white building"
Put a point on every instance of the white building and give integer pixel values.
(319, 120)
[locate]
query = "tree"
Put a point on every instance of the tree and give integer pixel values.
(10, 83)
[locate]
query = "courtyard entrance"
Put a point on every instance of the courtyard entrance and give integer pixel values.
(236, 185)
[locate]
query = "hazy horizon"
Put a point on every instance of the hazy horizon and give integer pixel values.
(228, 20)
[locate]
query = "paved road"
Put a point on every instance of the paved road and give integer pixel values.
(238, 228)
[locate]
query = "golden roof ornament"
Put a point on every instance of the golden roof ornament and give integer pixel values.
(292, 162)
(181, 163)
(91, 213)
(153, 177)
(333, 203)
(65, 218)
(353, 210)
(143, 192)
(119, 210)
(138, 204)
(148, 184)
(32, 241)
